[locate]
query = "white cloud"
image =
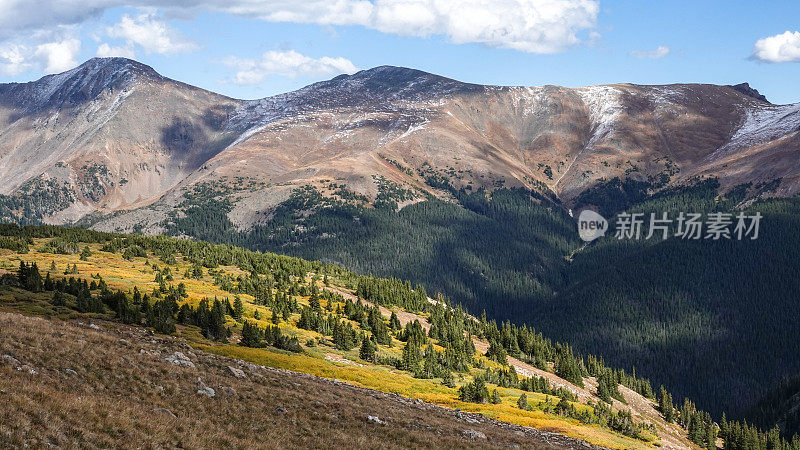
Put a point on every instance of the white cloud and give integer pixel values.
(286, 63)
(658, 53)
(60, 55)
(23, 15)
(107, 51)
(150, 33)
(537, 26)
(780, 48)
(49, 28)
(13, 60)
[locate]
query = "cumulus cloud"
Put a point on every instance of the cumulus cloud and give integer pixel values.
(150, 33)
(107, 51)
(60, 55)
(658, 53)
(13, 60)
(780, 48)
(285, 63)
(21, 15)
(537, 26)
(52, 54)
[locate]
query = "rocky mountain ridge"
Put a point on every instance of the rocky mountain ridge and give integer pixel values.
(114, 136)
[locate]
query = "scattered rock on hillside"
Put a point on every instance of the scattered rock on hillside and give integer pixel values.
(29, 369)
(473, 434)
(375, 419)
(227, 390)
(179, 359)
(11, 360)
(238, 373)
(207, 391)
(70, 372)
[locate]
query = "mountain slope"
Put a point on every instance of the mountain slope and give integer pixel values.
(109, 134)
(394, 122)
(121, 371)
(110, 360)
(463, 188)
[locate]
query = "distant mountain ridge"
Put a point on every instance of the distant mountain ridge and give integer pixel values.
(112, 135)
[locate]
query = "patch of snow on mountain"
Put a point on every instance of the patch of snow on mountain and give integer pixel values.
(768, 123)
(604, 109)
(666, 96)
(763, 124)
(413, 128)
(537, 100)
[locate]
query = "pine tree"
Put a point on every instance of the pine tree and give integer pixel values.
(394, 322)
(711, 437)
(160, 317)
(448, 379)
(86, 253)
(523, 402)
(607, 387)
(185, 314)
(29, 277)
(58, 299)
(430, 366)
(313, 302)
(251, 335)
(213, 326)
(344, 337)
(495, 397)
(238, 309)
(496, 352)
(197, 272)
(567, 367)
(412, 355)
(83, 301)
(475, 392)
(368, 350)
(665, 405)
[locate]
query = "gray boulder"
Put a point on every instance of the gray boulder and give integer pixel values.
(179, 359)
(207, 391)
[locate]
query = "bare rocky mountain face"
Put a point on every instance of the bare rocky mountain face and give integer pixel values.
(113, 136)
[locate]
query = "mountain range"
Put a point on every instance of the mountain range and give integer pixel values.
(114, 136)
(465, 189)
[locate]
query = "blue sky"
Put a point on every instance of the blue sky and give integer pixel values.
(251, 49)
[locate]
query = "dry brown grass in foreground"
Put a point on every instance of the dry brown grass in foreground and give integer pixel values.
(70, 384)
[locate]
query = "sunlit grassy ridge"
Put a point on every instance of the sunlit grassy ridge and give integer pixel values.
(137, 272)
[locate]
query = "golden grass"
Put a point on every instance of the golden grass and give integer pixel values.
(122, 274)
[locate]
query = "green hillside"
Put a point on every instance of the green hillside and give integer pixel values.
(713, 306)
